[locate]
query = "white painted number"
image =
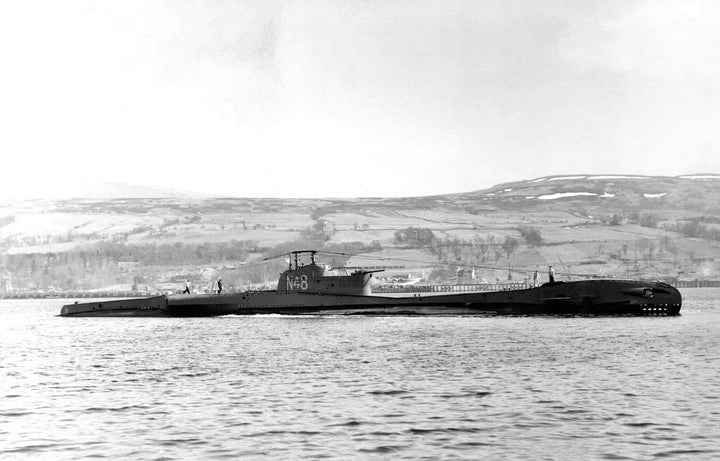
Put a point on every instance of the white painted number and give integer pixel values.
(298, 283)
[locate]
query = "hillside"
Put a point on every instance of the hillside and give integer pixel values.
(620, 226)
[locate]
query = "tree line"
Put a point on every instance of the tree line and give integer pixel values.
(477, 250)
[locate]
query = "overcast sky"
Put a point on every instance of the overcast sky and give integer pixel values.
(354, 98)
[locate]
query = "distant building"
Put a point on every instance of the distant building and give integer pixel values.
(466, 273)
(328, 226)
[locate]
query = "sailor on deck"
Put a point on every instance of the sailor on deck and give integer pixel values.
(551, 274)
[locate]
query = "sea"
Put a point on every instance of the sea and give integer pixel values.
(333, 387)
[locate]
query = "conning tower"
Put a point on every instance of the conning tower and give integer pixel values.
(316, 278)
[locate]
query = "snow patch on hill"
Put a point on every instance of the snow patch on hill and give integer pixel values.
(700, 176)
(563, 195)
(617, 177)
(561, 178)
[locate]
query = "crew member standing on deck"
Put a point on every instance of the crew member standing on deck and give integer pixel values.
(536, 276)
(187, 287)
(219, 283)
(551, 274)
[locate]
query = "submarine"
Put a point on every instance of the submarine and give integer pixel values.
(318, 289)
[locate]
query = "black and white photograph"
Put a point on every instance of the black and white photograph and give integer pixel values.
(359, 229)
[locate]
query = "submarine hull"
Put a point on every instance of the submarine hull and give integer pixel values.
(155, 306)
(588, 297)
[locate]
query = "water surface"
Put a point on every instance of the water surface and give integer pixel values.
(360, 387)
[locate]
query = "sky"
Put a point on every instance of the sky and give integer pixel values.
(353, 98)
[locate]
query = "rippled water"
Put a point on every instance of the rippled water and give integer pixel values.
(360, 387)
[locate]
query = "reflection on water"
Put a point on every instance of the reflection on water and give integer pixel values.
(360, 387)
